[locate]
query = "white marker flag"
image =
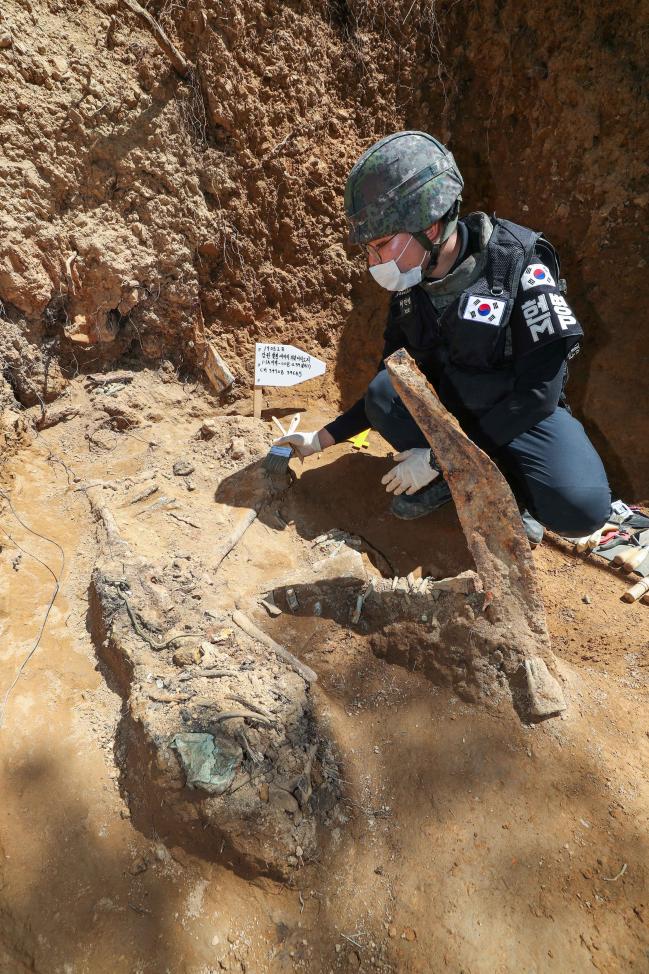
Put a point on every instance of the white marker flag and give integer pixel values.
(285, 365)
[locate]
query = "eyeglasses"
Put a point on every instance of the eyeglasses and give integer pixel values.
(373, 251)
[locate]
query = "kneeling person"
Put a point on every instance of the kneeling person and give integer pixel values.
(479, 304)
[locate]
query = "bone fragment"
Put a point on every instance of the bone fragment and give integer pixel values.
(251, 630)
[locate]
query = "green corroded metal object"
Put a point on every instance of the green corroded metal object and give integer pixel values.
(403, 183)
(209, 762)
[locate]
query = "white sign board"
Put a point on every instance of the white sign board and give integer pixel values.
(284, 365)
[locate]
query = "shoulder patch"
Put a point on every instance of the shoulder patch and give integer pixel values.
(489, 310)
(536, 275)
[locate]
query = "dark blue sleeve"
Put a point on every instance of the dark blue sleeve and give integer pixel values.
(349, 423)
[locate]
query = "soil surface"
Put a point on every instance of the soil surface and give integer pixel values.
(461, 839)
(152, 216)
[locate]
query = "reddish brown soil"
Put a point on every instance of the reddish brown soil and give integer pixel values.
(153, 213)
(465, 840)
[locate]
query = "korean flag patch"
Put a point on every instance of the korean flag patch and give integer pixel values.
(536, 275)
(489, 310)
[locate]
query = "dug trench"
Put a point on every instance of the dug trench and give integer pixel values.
(395, 814)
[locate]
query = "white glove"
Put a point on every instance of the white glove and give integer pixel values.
(411, 473)
(304, 444)
(590, 541)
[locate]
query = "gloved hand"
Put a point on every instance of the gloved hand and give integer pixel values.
(590, 541)
(304, 444)
(411, 473)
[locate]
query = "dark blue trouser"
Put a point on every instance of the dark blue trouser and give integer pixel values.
(553, 468)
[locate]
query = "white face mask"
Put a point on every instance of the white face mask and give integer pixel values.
(391, 278)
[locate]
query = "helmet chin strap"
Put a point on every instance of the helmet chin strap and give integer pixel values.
(449, 224)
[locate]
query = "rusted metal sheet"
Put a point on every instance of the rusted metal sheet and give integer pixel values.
(493, 528)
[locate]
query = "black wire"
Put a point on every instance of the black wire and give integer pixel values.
(57, 580)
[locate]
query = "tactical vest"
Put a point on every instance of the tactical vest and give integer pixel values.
(468, 357)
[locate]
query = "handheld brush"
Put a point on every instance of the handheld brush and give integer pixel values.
(277, 458)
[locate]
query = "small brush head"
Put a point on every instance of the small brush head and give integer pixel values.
(277, 458)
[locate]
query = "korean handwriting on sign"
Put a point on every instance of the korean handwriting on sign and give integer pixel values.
(539, 318)
(274, 357)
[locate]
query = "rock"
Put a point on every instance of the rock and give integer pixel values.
(216, 369)
(264, 792)
(6, 40)
(183, 468)
(463, 584)
(104, 439)
(188, 656)
(587, 599)
(238, 448)
(208, 430)
(545, 694)
(60, 68)
(140, 865)
(270, 607)
(282, 799)
(347, 564)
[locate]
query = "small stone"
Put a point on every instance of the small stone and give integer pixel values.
(183, 468)
(139, 866)
(409, 934)
(292, 860)
(587, 599)
(392, 930)
(208, 430)
(188, 655)
(270, 607)
(299, 851)
(60, 68)
(238, 448)
(264, 791)
(215, 940)
(6, 40)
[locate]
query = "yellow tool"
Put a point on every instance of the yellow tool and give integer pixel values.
(360, 441)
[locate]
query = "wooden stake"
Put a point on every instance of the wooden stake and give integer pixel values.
(257, 402)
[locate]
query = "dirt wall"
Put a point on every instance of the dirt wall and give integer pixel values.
(145, 211)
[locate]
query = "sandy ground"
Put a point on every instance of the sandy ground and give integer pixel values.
(470, 843)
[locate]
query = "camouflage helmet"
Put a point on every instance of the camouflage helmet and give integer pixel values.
(403, 183)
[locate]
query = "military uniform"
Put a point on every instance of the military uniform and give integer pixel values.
(494, 337)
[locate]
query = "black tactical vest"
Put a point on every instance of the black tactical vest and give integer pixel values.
(463, 343)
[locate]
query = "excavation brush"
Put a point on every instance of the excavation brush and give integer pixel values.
(278, 457)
